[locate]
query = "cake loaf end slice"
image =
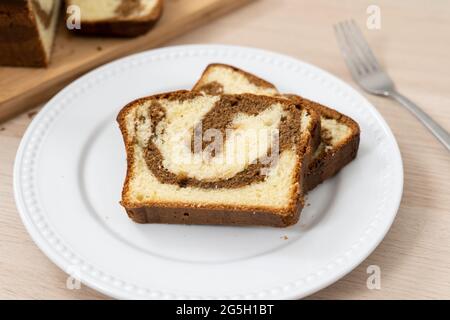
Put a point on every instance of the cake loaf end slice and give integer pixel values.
(27, 31)
(172, 178)
(117, 18)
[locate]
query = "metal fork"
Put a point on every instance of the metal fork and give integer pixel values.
(369, 75)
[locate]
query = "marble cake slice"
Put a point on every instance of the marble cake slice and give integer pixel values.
(335, 142)
(174, 178)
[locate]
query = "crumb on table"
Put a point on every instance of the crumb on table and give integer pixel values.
(31, 114)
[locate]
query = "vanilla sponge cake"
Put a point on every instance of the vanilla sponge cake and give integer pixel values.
(121, 18)
(336, 142)
(27, 31)
(171, 178)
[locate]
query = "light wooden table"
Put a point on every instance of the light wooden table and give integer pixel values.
(413, 43)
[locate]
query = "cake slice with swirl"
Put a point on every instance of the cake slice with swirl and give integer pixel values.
(195, 158)
(335, 140)
(116, 18)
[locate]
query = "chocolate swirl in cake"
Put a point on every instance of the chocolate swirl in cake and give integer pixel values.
(128, 7)
(44, 16)
(212, 88)
(220, 118)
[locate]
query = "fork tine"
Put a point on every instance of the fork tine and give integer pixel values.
(362, 44)
(357, 53)
(349, 58)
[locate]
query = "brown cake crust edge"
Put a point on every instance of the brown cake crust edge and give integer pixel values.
(330, 163)
(121, 28)
(29, 52)
(251, 77)
(182, 213)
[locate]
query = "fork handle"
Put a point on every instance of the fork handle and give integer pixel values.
(440, 133)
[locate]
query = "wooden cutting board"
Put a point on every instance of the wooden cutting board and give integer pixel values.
(24, 88)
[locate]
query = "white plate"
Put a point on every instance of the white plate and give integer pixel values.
(71, 165)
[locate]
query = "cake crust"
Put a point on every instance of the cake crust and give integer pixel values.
(215, 87)
(328, 164)
(188, 213)
(210, 216)
(119, 27)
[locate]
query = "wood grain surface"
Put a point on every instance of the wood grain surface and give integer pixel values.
(414, 258)
(73, 55)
